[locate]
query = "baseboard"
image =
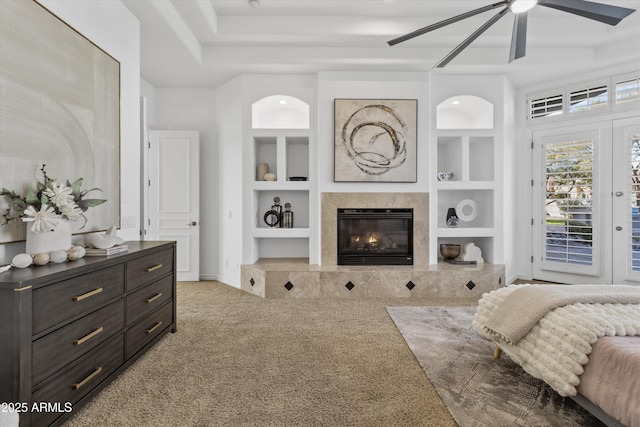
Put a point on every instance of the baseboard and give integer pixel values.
(220, 279)
(515, 277)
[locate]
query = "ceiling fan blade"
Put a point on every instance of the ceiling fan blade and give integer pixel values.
(608, 14)
(519, 37)
(444, 61)
(441, 24)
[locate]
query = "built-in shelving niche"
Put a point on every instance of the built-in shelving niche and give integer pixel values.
(466, 144)
(281, 139)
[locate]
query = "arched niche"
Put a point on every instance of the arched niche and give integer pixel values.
(280, 112)
(464, 112)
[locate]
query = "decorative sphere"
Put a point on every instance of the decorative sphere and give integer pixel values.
(270, 177)
(22, 260)
(58, 256)
(76, 252)
(41, 258)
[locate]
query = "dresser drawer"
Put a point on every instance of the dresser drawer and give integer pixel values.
(149, 328)
(63, 300)
(74, 383)
(57, 349)
(142, 302)
(146, 269)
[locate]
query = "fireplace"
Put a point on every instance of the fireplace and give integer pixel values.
(375, 237)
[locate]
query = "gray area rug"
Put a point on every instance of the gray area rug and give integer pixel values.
(477, 389)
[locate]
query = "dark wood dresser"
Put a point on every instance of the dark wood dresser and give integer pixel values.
(67, 330)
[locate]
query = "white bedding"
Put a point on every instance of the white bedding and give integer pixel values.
(557, 347)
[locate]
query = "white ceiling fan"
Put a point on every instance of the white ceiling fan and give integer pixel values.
(608, 14)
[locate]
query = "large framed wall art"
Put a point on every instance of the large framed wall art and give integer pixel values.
(375, 140)
(59, 106)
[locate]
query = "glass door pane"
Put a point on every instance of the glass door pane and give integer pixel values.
(569, 202)
(632, 210)
(626, 201)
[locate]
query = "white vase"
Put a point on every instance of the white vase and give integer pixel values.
(58, 238)
(263, 169)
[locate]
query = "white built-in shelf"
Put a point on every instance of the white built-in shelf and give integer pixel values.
(281, 185)
(466, 232)
(286, 151)
(466, 185)
(280, 233)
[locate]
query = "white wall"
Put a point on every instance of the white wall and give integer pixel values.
(114, 29)
(230, 119)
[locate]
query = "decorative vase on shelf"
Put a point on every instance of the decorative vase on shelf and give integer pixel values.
(452, 218)
(263, 169)
(287, 216)
(49, 241)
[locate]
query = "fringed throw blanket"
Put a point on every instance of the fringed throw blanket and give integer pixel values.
(549, 329)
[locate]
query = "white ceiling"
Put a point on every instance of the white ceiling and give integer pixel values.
(204, 43)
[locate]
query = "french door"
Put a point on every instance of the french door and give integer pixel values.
(586, 193)
(626, 202)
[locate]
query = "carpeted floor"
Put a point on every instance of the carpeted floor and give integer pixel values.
(477, 389)
(240, 360)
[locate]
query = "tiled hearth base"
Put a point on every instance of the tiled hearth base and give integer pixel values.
(296, 278)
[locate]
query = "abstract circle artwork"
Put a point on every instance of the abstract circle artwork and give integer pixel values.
(375, 140)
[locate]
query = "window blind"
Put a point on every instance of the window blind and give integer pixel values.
(588, 99)
(569, 202)
(545, 107)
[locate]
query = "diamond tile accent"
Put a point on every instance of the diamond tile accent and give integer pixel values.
(410, 285)
(253, 282)
(349, 285)
(470, 285)
(289, 286)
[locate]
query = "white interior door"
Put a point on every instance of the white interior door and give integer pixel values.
(174, 201)
(572, 238)
(626, 201)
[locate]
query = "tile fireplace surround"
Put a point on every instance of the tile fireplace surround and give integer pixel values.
(296, 278)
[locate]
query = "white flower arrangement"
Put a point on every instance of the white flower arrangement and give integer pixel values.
(51, 201)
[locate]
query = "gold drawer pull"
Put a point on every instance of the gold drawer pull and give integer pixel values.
(154, 327)
(154, 268)
(153, 298)
(87, 295)
(89, 378)
(88, 337)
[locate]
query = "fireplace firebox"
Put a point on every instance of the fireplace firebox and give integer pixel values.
(375, 236)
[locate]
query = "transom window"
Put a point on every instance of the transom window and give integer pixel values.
(545, 107)
(616, 93)
(588, 99)
(628, 91)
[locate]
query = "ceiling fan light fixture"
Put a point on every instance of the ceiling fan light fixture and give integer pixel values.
(521, 6)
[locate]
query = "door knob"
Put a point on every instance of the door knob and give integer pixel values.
(618, 228)
(619, 193)
(193, 223)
